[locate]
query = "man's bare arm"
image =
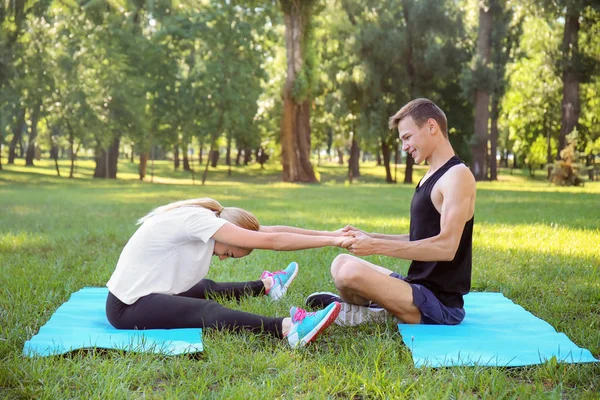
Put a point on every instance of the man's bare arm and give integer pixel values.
(349, 228)
(458, 193)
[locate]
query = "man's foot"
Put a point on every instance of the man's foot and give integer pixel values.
(353, 314)
(307, 326)
(350, 314)
(321, 300)
(281, 280)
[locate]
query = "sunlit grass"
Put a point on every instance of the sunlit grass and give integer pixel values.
(537, 244)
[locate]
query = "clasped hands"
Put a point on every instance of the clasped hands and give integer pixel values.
(356, 241)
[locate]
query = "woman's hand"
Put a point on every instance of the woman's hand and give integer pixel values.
(349, 228)
(359, 243)
(343, 241)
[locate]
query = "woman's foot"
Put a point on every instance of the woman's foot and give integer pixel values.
(305, 326)
(277, 283)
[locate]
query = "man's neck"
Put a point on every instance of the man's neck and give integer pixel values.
(440, 156)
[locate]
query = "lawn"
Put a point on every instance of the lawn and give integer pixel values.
(537, 244)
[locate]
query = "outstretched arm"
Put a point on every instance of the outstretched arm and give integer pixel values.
(339, 232)
(350, 228)
(458, 193)
(235, 236)
(297, 231)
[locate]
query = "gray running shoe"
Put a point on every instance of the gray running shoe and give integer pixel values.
(353, 314)
(350, 314)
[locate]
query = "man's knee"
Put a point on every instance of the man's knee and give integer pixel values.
(345, 271)
(339, 262)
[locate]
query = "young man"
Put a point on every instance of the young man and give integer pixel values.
(439, 242)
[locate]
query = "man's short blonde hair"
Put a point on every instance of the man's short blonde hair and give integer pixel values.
(420, 110)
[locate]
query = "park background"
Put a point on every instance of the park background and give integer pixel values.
(111, 108)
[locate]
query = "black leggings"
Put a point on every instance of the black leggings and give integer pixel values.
(191, 309)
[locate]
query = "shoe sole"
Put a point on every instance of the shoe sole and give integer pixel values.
(324, 324)
(287, 284)
(352, 315)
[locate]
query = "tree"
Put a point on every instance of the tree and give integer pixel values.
(506, 33)
(297, 91)
(483, 88)
(13, 36)
(532, 101)
(404, 50)
(575, 66)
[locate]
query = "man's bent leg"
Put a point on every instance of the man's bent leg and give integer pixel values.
(361, 282)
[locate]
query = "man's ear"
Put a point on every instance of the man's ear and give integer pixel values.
(431, 125)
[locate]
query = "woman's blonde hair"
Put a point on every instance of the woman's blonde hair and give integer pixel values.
(236, 216)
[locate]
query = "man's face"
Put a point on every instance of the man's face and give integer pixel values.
(415, 140)
(224, 251)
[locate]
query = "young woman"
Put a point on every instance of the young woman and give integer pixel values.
(159, 282)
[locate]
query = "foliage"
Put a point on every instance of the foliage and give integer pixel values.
(172, 74)
(532, 101)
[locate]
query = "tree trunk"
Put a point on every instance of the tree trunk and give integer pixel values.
(211, 153)
(35, 116)
(18, 128)
(186, 159)
(411, 71)
(214, 158)
(247, 155)
(340, 154)
(200, 150)
(176, 157)
(228, 152)
(238, 156)
(396, 160)
(106, 161)
(153, 156)
(329, 142)
(589, 162)
(386, 151)
(570, 101)
(295, 124)
(353, 161)
(131, 158)
(409, 169)
(494, 139)
(482, 96)
(73, 152)
(144, 155)
(52, 131)
(262, 158)
(548, 147)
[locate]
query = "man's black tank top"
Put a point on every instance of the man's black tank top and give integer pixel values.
(448, 280)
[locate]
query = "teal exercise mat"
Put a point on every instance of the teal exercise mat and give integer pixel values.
(81, 323)
(495, 332)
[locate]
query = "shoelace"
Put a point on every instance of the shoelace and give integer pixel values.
(271, 274)
(300, 314)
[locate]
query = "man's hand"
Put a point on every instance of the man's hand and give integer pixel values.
(343, 241)
(348, 228)
(359, 243)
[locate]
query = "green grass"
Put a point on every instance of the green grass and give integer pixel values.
(537, 244)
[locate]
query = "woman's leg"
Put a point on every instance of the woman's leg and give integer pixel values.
(163, 311)
(208, 287)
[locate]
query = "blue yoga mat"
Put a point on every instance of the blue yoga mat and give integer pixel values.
(495, 332)
(81, 323)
